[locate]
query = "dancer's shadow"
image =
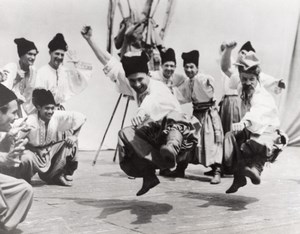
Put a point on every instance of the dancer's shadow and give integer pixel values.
(233, 202)
(144, 210)
(15, 231)
(115, 174)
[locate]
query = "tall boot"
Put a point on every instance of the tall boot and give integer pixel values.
(254, 169)
(170, 150)
(239, 181)
(217, 174)
(150, 180)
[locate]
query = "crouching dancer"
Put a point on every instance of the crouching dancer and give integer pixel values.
(256, 139)
(15, 194)
(55, 154)
(160, 134)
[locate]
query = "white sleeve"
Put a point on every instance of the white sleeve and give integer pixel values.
(114, 70)
(11, 76)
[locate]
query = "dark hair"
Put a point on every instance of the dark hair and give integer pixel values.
(253, 70)
(4, 109)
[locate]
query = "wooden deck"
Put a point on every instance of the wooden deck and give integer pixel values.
(102, 200)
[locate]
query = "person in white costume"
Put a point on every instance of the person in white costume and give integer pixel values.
(256, 139)
(160, 134)
(63, 81)
(21, 76)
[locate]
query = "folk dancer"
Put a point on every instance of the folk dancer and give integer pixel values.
(63, 81)
(199, 89)
(160, 134)
(21, 77)
(55, 158)
(256, 139)
(230, 107)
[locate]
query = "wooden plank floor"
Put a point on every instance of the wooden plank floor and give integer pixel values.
(102, 200)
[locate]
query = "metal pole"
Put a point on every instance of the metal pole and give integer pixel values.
(124, 116)
(111, 118)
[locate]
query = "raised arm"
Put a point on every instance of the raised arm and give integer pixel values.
(102, 55)
(226, 65)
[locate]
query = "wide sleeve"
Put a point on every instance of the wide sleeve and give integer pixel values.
(234, 81)
(183, 92)
(78, 76)
(179, 79)
(11, 76)
(68, 120)
(114, 70)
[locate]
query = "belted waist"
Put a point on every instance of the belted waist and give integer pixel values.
(202, 106)
(231, 95)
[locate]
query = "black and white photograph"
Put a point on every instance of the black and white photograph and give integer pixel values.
(150, 116)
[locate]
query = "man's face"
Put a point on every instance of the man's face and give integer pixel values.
(56, 58)
(168, 69)
(9, 117)
(139, 82)
(190, 70)
(46, 112)
(28, 59)
(249, 81)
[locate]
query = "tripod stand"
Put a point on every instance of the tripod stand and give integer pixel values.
(109, 123)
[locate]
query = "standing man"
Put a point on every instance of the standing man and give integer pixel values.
(167, 73)
(160, 134)
(256, 138)
(15, 194)
(63, 82)
(55, 158)
(199, 89)
(21, 77)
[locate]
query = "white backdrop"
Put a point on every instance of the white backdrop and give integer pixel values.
(271, 26)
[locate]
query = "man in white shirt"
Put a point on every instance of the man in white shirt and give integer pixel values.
(167, 73)
(55, 156)
(21, 77)
(160, 133)
(199, 90)
(64, 82)
(256, 138)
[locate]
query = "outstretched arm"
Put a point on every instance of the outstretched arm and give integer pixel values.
(102, 55)
(226, 58)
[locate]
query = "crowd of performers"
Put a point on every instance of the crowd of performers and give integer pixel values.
(39, 136)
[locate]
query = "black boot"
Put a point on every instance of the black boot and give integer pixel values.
(164, 172)
(179, 171)
(254, 170)
(149, 182)
(170, 150)
(238, 182)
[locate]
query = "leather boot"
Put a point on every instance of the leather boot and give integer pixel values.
(164, 172)
(254, 170)
(170, 150)
(217, 175)
(179, 171)
(149, 182)
(238, 182)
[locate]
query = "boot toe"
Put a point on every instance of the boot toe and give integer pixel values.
(147, 185)
(253, 174)
(237, 183)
